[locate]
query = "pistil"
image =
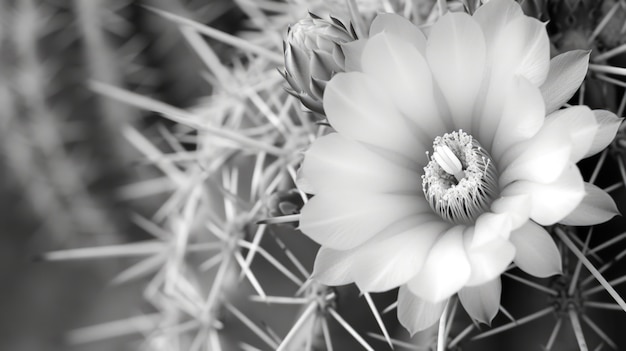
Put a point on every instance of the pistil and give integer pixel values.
(449, 162)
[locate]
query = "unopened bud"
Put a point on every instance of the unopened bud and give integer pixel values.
(313, 55)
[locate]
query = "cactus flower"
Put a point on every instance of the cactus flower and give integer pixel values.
(450, 154)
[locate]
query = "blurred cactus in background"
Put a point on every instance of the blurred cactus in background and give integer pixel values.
(155, 146)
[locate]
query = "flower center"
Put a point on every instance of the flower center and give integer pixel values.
(460, 180)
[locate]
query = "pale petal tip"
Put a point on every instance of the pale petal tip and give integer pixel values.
(482, 302)
(615, 213)
(416, 314)
(536, 252)
(552, 271)
(596, 207)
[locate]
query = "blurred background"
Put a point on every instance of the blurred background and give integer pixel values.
(63, 157)
(66, 165)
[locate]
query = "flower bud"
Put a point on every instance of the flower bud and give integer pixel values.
(285, 202)
(313, 55)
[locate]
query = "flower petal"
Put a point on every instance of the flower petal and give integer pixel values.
(391, 262)
(489, 261)
(344, 221)
(596, 207)
(494, 16)
(415, 313)
(516, 206)
(404, 74)
(567, 72)
(579, 123)
(541, 159)
(608, 124)
(332, 267)
(303, 183)
(536, 253)
(446, 269)
(482, 301)
(521, 48)
(360, 109)
(336, 267)
(400, 27)
(456, 53)
(551, 202)
(489, 227)
(336, 164)
(522, 116)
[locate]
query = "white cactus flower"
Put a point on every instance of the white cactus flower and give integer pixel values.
(449, 156)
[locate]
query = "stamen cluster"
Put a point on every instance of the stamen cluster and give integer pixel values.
(460, 181)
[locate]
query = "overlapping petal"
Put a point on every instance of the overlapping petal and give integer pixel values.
(608, 124)
(345, 222)
(415, 313)
(410, 239)
(489, 227)
(482, 301)
(494, 16)
(521, 48)
(579, 123)
(336, 164)
(522, 117)
(567, 72)
(399, 27)
(489, 260)
(407, 80)
(333, 267)
(517, 207)
(359, 109)
(456, 54)
(376, 272)
(445, 271)
(540, 159)
(596, 207)
(535, 251)
(551, 202)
